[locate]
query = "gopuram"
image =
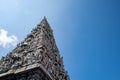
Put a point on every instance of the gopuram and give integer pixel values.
(35, 58)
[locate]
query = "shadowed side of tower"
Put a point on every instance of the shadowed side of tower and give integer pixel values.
(35, 58)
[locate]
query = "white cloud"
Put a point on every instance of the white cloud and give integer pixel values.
(6, 40)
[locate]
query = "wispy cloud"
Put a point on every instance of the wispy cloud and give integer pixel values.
(7, 41)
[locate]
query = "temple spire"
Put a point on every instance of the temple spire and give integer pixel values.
(44, 18)
(35, 58)
(44, 23)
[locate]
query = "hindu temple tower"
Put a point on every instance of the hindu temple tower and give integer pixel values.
(35, 58)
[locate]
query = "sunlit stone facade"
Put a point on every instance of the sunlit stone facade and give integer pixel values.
(35, 58)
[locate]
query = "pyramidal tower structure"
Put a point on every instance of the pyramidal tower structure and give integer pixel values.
(35, 58)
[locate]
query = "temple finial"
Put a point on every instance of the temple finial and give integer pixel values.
(44, 17)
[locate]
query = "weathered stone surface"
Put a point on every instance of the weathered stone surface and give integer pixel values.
(34, 58)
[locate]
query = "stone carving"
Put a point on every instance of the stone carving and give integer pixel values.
(38, 47)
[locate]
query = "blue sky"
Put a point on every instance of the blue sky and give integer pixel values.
(86, 32)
